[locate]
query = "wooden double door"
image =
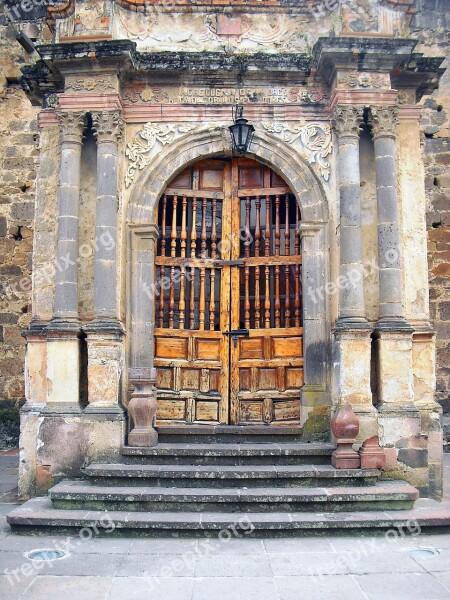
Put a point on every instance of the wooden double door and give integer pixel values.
(228, 320)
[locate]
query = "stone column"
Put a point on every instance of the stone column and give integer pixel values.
(347, 122)
(66, 291)
(384, 121)
(352, 347)
(105, 332)
(141, 373)
(393, 332)
(63, 345)
(399, 419)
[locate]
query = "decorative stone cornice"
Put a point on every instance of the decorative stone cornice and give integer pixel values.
(108, 126)
(347, 120)
(72, 125)
(384, 121)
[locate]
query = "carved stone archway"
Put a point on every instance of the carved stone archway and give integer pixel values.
(142, 233)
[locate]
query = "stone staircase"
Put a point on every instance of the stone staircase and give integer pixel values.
(198, 483)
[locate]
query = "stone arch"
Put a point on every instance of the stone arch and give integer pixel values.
(206, 142)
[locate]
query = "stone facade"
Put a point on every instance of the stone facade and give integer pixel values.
(343, 129)
(18, 158)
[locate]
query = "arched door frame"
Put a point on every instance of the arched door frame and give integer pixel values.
(142, 235)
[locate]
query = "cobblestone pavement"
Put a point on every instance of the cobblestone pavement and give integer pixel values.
(390, 567)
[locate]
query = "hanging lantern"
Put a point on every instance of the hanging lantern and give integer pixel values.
(241, 131)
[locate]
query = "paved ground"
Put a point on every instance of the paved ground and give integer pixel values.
(335, 568)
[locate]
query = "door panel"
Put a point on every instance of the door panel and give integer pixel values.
(228, 259)
(193, 297)
(267, 366)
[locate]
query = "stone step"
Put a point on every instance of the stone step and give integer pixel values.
(288, 453)
(392, 495)
(40, 516)
(228, 434)
(219, 476)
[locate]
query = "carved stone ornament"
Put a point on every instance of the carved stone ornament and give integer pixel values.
(72, 126)
(108, 126)
(144, 141)
(384, 121)
(347, 120)
(363, 80)
(90, 84)
(314, 137)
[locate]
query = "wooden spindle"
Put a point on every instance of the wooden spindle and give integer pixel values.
(173, 235)
(277, 267)
(212, 299)
(161, 296)
(173, 252)
(267, 268)
(257, 269)
(267, 299)
(192, 299)
(297, 302)
(287, 269)
(201, 325)
(183, 237)
(194, 228)
(203, 233)
(247, 228)
(214, 230)
(163, 226)
(267, 232)
(247, 297)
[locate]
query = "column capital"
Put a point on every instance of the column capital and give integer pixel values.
(72, 125)
(108, 126)
(384, 121)
(347, 120)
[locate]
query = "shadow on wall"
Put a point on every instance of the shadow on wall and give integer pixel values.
(9, 428)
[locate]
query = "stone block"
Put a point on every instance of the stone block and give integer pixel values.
(3, 226)
(414, 458)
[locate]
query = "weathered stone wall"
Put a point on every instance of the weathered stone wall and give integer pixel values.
(431, 25)
(18, 160)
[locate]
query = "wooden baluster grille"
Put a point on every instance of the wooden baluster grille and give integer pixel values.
(257, 269)
(297, 302)
(173, 252)
(267, 268)
(287, 269)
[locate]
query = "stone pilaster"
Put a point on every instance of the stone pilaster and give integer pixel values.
(141, 373)
(352, 348)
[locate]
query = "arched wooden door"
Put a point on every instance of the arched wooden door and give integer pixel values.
(228, 330)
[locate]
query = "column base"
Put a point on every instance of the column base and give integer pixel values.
(106, 363)
(352, 372)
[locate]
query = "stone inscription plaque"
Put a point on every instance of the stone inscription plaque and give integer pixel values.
(224, 95)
